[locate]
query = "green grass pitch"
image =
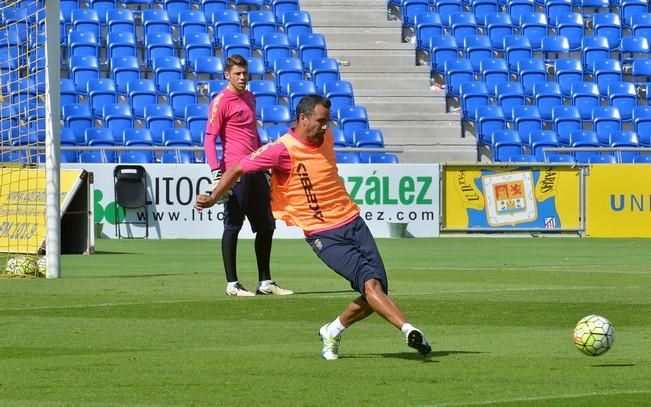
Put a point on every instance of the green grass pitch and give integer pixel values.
(147, 323)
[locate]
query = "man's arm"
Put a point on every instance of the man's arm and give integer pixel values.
(229, 178)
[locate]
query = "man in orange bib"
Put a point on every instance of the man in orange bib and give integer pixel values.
(306, 191)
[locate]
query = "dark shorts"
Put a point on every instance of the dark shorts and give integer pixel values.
(250, 198)
(351, 252)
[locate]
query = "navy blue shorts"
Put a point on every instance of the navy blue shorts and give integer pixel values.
(250, 198)
(350, 251)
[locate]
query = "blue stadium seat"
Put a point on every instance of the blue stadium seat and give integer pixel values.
(324, 70)
(546, 96)
(82, 69)
(256, 67)
(295, 23)
(566, 73)
(632, 48)
(9, 121)
(280, 7)
(287, 70)
(509, 95)
(494, 71)
(441, 49)
(138, 138)
(368, 138)
(447, 7)
(560, 158)
(123, 70)
(264, 136)
(641, 71)
(83, 43)
(585, 95)
(476, 48)
(571, 26)
(225, 22)
(641, 25)
(526, 119)
(180, 137)
(383, 158)
(236, 43)
(101, 92)
(93, 156)
(192, 22)
(600, 159)
(534, 27)
(473, 94)
(609, 26)
(489, 119)
(630, 8)
(158, 117)
(86, 20)
(181, 93)
(159, 44)
(196, 117)
(426, 26)
(265, 93)
(409, 9)
(101, 137)
(339, 138)
(78, 117)
(260, 22)
(642, 124)
(642, 159)
(530, 72)
(197, 47)
(121, 44)
(274, 46)
(517, 8)
(121, 20)
(522, 158)
(482, 8)
(155, 21)
(606, 120)
(565, 120)
(457, 71)
(296, 90)
(175, 7)
(505, 144)
(207, 68)
(68, 92)
(166, 69)
(340, 94)
(352, 118)
(215, 86)
(516, 47)
(117, 117)
(604, 73)
(593, 48)
(462, 25)
(539, 140)
(141, 92)
(498, 26)
(583, 139)
(241, 5)
(554, 47)
(136, 157)
(102, 7)
(344, 157)
(586, 6)
(275, 115)
(311, 46)
(622, 95)
(68, 139)
(625, 139)
(276, 130)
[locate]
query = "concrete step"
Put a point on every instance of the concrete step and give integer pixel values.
(350, 17)
(338, 4)
(376, 61)
(361, 40)
(438, 155)
(406, 109)
(391, 84)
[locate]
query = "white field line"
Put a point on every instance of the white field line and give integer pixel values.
(542, 398)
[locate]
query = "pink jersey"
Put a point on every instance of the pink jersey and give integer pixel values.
(232, 118)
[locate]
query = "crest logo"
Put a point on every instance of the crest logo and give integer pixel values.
(509, 198)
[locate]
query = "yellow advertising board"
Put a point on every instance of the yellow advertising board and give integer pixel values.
(488, 197)
(618, 201)
(23, 206)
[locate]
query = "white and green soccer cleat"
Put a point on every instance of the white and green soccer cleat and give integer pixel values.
(330, 349)
(416, 340)
(273, 289)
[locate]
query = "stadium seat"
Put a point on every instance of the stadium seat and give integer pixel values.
(287, 70)
(625, 139)
(560, 158)
(630, 8)
(68, 140)
(409, 9)
(311, 46)
(585, 95)
(121, 20)
(353, 118)
(632, 48)
(276, 130)
(196, 117)
(565, 120)
(83, 43)
(426, 26)
(509, 95)
(274, 46)
(476, 48)
(526, 119)
(493, 71)
(275, 115)
(83, 19)
(101, 92)
(236, 43)
(68, 92)
(530, 72)
(489, 119)
(554, 47)
(158, 117)
(383, 158)
(181, 93)
(447, 7)
(367, 138)
(339, 138)
(136, 157)
(462, 25)
(295, 23)
(9, 121)
(175, 7)
(256, 68)
(192, 22)
(505, 143)
(641, 72)
(158, 45)
(546, 96)
(604, 73)
(609, 26)
(324, 70)
(121, 44)
(441, 49)
(642, 124)
(141, 92)
(587, 6)
(344, 157)
(534, 27)
(600, 159)
(566, 73)
(78, 117)
(197, 47)
(265, 93)
(82, 69)
(225, 22)
(138, 137)
(641, 25)
(296, 90)
(280, 7)
(264, 136)
(215, 86)
(516, 47)
(593, 48)
(92, 156)
(583, 139)
(539, 140)
(166, 69)
(101, 137)
(178, 137)
(208, 68)
(606, 120)
(117, 117)
(482, 8)
(522, 158)
(497, 27)
(642, 159)
(571, 26)
(622, 96)
(155, 21)
(517, 8)
(260, 22)
(473, 94)
(340, 94)
(457, 71)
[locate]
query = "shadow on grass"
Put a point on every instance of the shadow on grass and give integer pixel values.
(412, 355)
(103, 253)
(615, 365)
(326, 292)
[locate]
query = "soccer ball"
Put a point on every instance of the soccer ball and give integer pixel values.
(21, 265)
(594, 335)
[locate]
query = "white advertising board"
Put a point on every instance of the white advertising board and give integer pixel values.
(395, 200)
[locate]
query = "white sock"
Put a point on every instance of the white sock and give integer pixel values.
(406, 327)
(335, 328)
(264, 283)
(231, 284)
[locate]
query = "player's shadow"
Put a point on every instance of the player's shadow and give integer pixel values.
(413, 355)
(615, 365)
(324, 292)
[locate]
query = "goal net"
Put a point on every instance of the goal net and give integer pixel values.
(26, 134)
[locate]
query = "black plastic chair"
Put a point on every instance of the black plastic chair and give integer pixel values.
(130, 188)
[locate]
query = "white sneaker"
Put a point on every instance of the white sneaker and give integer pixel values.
(273, 289)
(416, 340)
(330, 349)
(239, 291)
